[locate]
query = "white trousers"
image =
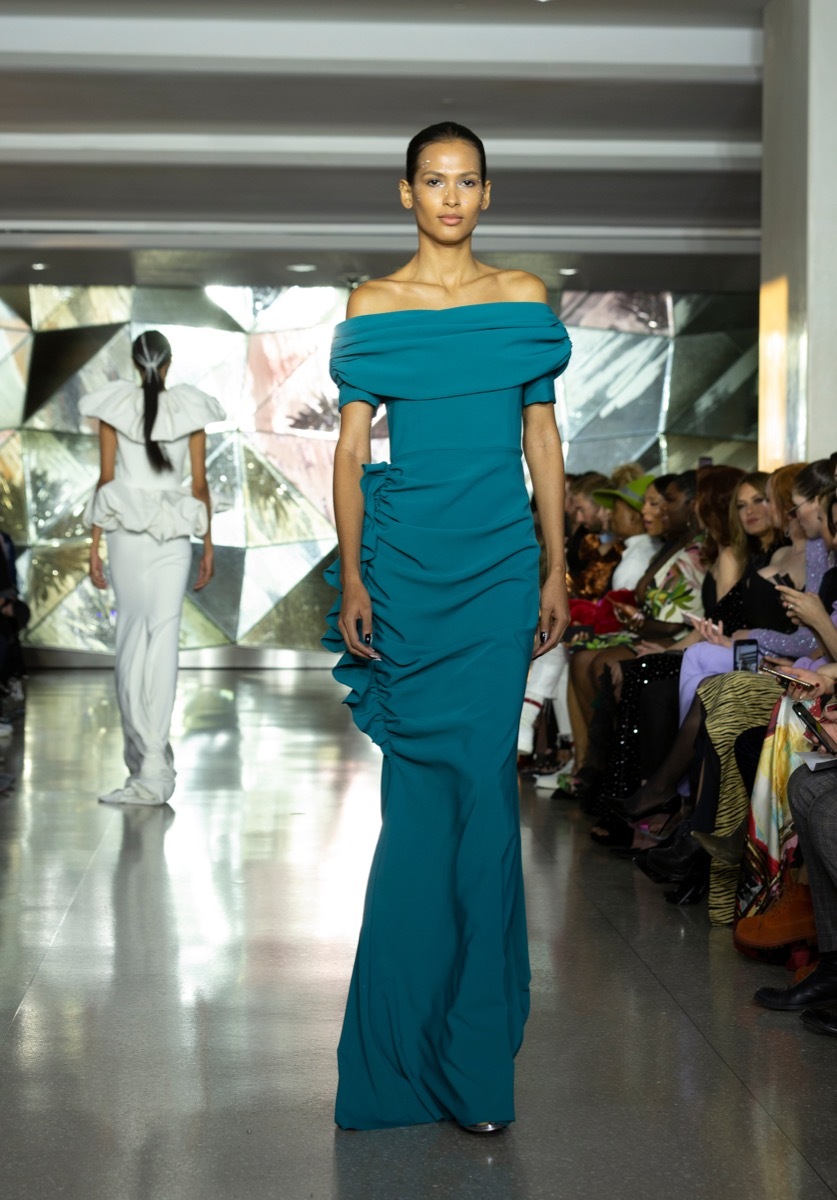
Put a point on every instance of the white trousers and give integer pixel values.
(549, 679)
(149, 579)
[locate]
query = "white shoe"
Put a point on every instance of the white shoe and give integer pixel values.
(117, 796)
(135, 793)
(547, 782)
(568, 767)
(529, 714)
(6, 730)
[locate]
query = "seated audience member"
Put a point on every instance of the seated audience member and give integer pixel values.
(624, 503)
(669, 590)
(812, 796)
(733, 514)
(548, 676)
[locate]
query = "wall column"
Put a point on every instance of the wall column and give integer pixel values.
(798, 321)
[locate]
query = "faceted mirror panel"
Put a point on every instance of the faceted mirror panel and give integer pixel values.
(657, 378)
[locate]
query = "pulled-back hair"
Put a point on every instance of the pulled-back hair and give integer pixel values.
(445, 131)
(151, 352)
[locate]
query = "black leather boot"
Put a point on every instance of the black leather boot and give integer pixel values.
(672, 864)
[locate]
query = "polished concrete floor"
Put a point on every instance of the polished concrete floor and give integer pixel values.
(171, 986)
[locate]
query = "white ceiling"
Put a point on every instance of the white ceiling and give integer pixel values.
(170, 142)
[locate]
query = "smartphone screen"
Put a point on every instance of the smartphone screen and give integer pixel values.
(745, 655)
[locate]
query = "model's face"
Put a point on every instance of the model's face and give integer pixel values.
(625, 521)
(809, 514)
(753, 511)
(588, 513)
(653, 512)
(447, 194)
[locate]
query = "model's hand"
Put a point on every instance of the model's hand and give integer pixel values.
(355, 622)
(97, 570)
(555, 613)
(803, 608)
(206, 570)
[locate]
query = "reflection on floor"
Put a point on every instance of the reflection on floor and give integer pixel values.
(171, 986)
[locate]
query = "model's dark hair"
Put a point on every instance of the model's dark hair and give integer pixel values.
(815, 480)
(445, 131)
(151, 352)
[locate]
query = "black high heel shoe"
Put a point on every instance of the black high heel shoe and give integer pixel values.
(670, 806)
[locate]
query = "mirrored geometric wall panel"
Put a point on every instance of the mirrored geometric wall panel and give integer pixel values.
(656, 377)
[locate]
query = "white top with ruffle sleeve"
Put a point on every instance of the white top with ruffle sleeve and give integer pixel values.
(140, 499)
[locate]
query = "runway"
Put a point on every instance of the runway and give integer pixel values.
(172, 983)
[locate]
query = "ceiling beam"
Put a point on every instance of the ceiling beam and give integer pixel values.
(371, 236)
(375, 48)
(281, 150)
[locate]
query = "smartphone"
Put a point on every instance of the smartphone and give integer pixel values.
(696, 619)
(745, 655)
(785, 678)
(785, 581)
(577, 631)
(816, 728)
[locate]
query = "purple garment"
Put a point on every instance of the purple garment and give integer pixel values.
(704, 659)
(803, 640)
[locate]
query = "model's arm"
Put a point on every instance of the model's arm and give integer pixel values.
(545, 459)
(200, 490)
(353, 450)
(107, 461)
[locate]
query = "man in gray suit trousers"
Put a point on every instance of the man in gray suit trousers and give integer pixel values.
(813, 802)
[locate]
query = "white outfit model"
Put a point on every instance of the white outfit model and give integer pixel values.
(149, 519)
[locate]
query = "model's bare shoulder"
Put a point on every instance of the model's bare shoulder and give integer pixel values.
(388, 294)
(520, 286)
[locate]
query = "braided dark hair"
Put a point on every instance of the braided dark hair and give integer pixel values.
(151, 352)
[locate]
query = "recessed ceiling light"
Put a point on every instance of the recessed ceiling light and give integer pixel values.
(568, 270)
(302, 268)
(40, 266)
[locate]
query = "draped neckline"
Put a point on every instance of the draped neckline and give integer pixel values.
(451, 308)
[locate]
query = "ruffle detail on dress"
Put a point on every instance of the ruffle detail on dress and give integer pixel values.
(165, 514)
(367, 696)
(181, 410)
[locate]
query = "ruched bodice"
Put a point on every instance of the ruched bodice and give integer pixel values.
(439, 995)
(140, 499)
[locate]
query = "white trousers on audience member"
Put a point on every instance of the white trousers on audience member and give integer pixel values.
(549, 678)
(149, 580)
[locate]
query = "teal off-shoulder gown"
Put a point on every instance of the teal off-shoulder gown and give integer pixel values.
(440, 990)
